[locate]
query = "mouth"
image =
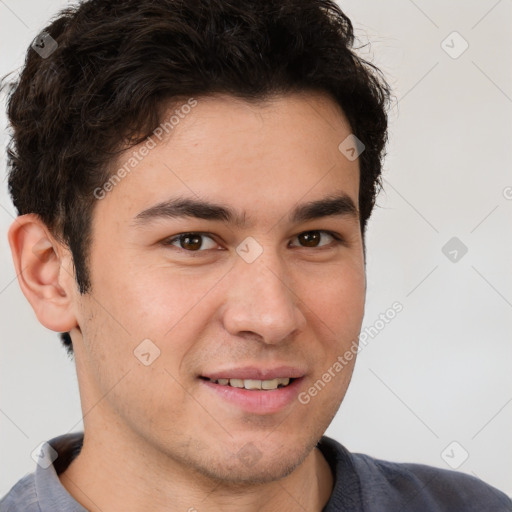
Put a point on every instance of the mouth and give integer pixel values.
(253, 384)
(250, 391)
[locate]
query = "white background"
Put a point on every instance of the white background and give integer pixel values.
(440, 371)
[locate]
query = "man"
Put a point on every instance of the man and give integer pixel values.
(193, 182)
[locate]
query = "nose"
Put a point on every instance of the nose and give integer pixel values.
(262, 303)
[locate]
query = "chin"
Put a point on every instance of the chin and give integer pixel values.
(254, 463)
(238, 473)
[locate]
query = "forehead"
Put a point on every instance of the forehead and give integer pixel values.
(263, 156)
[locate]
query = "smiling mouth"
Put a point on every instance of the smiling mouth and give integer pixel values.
(253, 384)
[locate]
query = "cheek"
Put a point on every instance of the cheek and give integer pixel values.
(336, 298)
(149, 392)
(156, 300)
(115, 368)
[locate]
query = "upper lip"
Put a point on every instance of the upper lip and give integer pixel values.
(256, 373)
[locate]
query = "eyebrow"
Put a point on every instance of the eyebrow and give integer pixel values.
(340, 205)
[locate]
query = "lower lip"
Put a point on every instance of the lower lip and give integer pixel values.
(257, 401)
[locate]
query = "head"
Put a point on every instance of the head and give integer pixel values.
(149, 120)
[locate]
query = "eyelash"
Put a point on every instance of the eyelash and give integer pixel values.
(169, 241)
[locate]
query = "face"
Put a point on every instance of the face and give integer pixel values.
(262, 286)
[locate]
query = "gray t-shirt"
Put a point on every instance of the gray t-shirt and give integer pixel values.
(361, 483)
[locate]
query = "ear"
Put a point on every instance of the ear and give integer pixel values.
(44, 268)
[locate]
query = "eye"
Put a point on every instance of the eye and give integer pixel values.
(312, 238)
(191, 242)
(195, 241)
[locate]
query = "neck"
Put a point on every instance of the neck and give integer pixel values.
(117, 476)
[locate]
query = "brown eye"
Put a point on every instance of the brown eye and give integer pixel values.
(191, 242)
(313, 238)
(310, 239)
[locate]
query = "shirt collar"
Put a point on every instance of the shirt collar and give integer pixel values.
(54, 457)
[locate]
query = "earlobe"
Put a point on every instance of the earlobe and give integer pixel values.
(44, 272)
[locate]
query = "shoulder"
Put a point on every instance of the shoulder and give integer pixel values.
(421, 487)
(365, 483)
(22, 497)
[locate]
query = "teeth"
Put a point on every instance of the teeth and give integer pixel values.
(270, 384)
(254, 383)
